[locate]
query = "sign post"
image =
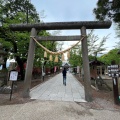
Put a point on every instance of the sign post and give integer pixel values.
(13, 77)
(114, 73)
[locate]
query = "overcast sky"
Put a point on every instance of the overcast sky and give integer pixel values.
(73, 10)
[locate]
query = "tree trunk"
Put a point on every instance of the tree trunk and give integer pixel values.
(21, 65)
(5, 60)
(20, 62)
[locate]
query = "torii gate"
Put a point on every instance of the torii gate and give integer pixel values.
(83, 25)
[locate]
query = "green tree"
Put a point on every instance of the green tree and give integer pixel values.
(110, 56)
(94, 47)
(108, 9)
(75, 56)
(117, 46)
(14, 12)
(16, 43)
(13, 7)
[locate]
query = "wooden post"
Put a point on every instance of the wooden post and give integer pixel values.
(87, 82)
(105, 71)
(115, 90)
(29, 67)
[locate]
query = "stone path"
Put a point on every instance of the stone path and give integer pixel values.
(54, 89)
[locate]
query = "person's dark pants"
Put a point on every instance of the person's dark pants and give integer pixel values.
(64, 80)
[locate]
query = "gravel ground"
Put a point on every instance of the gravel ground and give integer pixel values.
(102, 99)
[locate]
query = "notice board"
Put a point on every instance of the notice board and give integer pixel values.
(13, 75)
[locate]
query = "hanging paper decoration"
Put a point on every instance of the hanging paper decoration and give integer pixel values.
(56, 58)
(50, 58)
(63, 57)
(45, 54)
(68, 54)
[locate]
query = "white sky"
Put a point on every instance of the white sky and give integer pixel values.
(73, 10)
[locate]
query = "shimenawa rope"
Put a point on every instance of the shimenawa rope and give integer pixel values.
(56, 53)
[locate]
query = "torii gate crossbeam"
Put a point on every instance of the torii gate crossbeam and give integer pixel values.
(62, 25)
(59, 38)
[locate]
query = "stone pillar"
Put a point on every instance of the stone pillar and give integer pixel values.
(29, 67)
(86, 68)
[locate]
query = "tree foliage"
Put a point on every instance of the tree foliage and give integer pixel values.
(11, 8)
(75, 56)
(16, 43)
(112, 55)
(108, 9)
(95, 46)
(117, 46)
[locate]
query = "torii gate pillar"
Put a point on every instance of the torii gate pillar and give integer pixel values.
(29, 67)
(87, 83)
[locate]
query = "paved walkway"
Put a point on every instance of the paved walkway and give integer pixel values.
(54, 89)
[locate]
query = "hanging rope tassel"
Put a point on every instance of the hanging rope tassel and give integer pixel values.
(50, 58)
(45, 54)
(63, 57)
(68, 54)
(56, 58)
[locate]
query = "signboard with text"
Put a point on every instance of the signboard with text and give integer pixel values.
(13, 75)
(113, 71)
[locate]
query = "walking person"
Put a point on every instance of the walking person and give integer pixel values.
(64, 72)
